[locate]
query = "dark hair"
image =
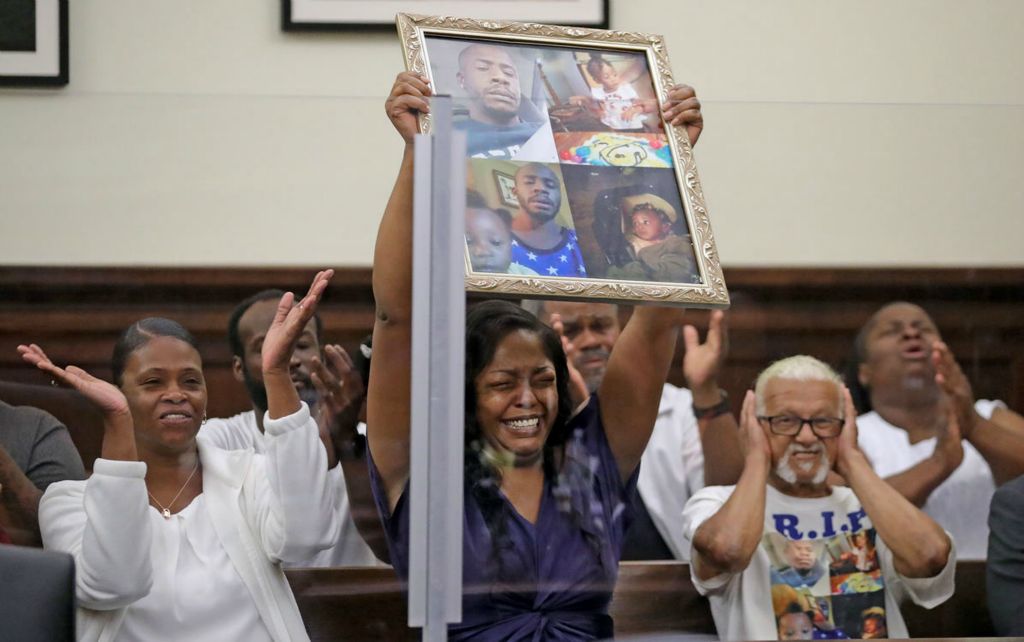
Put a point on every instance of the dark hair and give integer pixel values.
(595, 64)
(657, 211)
(237, 348)
(476, 201)
(487, 323)
(139, 334)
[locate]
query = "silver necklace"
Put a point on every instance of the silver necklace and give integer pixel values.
(166, 510)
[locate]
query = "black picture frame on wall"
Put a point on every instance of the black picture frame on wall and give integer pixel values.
(379, 15)
(34, 43)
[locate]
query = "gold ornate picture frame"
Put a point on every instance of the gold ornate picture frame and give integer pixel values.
(606, 201)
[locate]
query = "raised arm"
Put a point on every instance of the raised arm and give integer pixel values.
(118, 428)
(295, 510)
(919, 546)
(279, 344)
(728, 539)
(105, 525)
(1000, 443)
(388, 395)
(632, 385)
(719, 434)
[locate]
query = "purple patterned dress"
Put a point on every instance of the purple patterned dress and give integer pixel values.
(551, 580)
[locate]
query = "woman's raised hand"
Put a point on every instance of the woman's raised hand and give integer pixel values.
(682, 109)
(289, 322)
(408, 99)
(104, 395)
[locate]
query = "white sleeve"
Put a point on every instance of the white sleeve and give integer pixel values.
(698, 510)
(985, 407)
(692, 449)
(291, 500)
(928, 592)
(226, 434)
(104, 524)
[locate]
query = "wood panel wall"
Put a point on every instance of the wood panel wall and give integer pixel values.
(77, 313)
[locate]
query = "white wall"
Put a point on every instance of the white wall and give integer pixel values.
(877, 132)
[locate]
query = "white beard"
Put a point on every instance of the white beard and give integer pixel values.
(785, 470)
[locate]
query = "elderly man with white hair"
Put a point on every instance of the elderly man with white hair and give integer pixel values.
(796, 426)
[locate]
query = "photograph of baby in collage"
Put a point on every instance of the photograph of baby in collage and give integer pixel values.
(570, 172)
(827, 589)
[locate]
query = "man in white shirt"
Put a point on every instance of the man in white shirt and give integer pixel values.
(247, 327)
(925, 433)
(673, 465)
(862, 548)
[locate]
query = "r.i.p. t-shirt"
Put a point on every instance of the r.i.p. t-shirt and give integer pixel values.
(820, 572)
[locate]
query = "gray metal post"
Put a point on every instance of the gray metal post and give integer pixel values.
(438, 361)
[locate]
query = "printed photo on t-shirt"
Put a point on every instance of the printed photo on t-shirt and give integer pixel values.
(828, 588)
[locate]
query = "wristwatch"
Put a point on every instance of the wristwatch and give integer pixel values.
(710, 412)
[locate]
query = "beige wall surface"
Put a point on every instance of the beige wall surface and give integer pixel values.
(838, 133)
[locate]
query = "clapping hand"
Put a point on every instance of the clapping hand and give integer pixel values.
(107, 397)
(954, 383)
(288, 324)
(703, 361)
(847, 440)
(340, 389)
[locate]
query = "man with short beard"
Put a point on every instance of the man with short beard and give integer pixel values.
(796, 425)
(495, 128)
(247, 327)
(539, 241)
(948, 464)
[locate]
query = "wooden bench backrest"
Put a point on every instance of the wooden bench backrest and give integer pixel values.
(650, 597)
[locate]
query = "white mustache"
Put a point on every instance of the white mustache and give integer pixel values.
(784, 468)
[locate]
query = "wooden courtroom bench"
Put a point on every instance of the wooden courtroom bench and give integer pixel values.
(367, 604)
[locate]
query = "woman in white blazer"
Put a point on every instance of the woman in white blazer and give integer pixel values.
(173, 538)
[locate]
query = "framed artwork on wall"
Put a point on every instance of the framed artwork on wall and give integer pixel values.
(576, 186)
(34, 43)
(299, 15)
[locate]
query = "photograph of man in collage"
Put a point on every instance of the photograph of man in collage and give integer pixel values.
(580, 136)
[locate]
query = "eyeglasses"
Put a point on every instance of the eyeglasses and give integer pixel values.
(790, 425)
